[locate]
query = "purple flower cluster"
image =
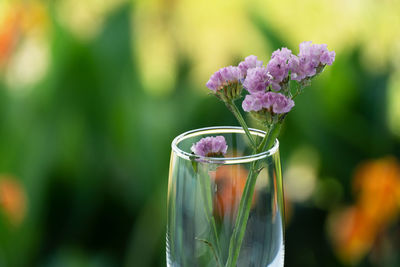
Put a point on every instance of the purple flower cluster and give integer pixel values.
(277, 70)
(278, 67)
(224, 77)
(257, 80)
(309, 61)
(249, 63)
(262, 82)
(210, 147)
(311, 56)
(275, 102)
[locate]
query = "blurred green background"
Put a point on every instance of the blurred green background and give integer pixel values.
(93, 92)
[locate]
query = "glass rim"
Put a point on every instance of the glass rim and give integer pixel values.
(220, 130)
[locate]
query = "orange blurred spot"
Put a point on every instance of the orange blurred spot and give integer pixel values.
(353, 234)
(377, 185)
(20, 19)
(12, 199)
(230, 181)
(9, 32)
(377, 188)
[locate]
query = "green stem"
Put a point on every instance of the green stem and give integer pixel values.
(295, 95)
(241, 219)
(209, 244)
(272, 135)
(247, 197)
(205, 186)
(263, 142)
(233, 108)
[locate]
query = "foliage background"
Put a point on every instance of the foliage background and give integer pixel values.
(93, 92)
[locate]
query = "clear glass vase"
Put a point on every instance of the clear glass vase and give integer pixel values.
(207, 223)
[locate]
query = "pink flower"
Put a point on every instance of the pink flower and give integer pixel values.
(224, 77)
(311, 56)
(249, 63)
(257, 80)
(210, 147)
(253, 102)
(280, 103)
(278, 67)
(270, 101)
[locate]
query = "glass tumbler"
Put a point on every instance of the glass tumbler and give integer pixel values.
(205, 214)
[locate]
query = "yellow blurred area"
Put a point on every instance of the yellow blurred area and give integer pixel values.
(393, 98)
(85, 18)
(156, 54)
(29, 17)
(23, 42)
(20, 75)
(336, 23)
(341, 24)
(212, 33)
(194, 30)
